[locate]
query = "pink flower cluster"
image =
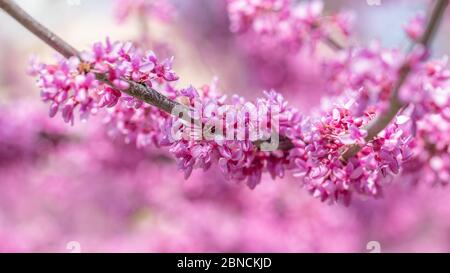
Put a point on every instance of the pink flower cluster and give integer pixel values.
(429, 89)
(318, 156)
(161, 9)
(372, 70)
(373, 73)
(285, 24)
(419, 134)
(318, 142)
(276, 36)
(431, 147)
(237, 159)
(71, 84)
(417, 141)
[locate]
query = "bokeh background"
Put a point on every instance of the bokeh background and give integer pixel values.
(63, 186)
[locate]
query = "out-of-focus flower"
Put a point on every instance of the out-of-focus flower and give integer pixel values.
(161, 9)
(415, 27)
(284, 24)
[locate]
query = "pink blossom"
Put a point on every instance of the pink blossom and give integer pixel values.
(283, 24)
(415, 28)
(161, 9)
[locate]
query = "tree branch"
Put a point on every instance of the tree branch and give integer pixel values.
(154, 98)
(395, 104)
(137, 90)
(333, 44)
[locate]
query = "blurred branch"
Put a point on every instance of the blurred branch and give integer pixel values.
(333, 44)
(137, 90)
(395, 104)
(37, 29)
